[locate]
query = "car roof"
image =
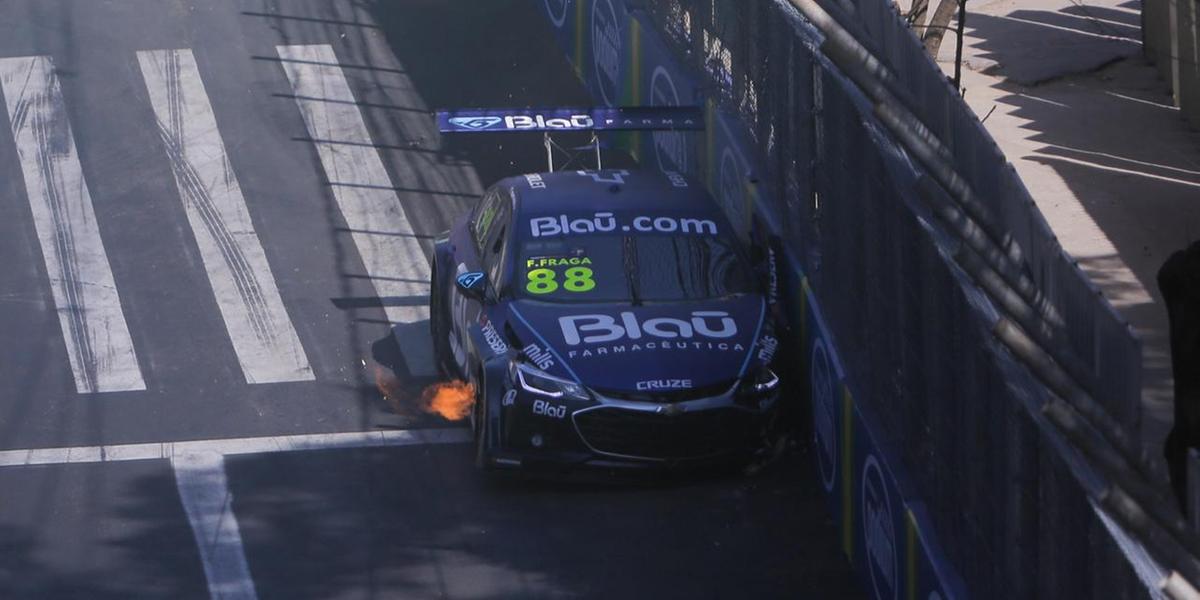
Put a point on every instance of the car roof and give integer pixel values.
(608, 189)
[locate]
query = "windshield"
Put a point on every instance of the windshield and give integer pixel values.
(650, 259)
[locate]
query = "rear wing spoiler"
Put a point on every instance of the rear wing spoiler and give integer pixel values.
(550, 120)
(618, 118)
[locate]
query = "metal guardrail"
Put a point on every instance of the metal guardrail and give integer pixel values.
(941, 292)
(1003, 496)
(1134, 488)
(746, 71)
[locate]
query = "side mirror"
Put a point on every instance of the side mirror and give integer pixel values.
(473, 285)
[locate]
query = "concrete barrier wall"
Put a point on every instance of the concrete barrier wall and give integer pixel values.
(937, 476)
(885, 528)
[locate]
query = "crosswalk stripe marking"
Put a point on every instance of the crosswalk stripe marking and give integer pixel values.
(263, 337)
(393, 257)
(99, 347)
(232, 446)
(204, 492)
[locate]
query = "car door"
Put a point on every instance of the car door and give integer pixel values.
(487, 230)
(495, 247)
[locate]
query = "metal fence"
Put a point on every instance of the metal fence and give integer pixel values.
(1171, 40)
(906, 322)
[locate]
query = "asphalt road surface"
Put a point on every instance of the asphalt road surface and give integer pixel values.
(213, 213)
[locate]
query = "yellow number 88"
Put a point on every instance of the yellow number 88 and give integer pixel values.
(579, 279)
(541, 281)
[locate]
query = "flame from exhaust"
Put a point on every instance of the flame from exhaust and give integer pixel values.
(450, 399)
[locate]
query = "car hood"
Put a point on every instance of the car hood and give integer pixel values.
(652, 347)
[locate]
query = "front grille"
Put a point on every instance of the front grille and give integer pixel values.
(645, 434)
(670, 396)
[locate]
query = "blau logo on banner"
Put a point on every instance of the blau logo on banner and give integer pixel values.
(606, 49)
(879, 531)
(557, 11)
(824, 405)
(475, 123)
(488, 120)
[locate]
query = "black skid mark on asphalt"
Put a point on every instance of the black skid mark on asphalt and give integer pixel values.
(21, 108)
(51, 131)
(195, 193)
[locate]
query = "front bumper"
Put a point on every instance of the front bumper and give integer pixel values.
(536, 432)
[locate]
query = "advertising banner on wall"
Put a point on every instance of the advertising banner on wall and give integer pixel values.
(885, 533)
(719, 156)
(595, 36)
(624, 63)
(884, 526)
(655, 78)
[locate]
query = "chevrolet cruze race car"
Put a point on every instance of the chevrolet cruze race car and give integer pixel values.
(605, 318)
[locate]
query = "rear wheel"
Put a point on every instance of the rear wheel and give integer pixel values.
(439, 327)
(479, 426)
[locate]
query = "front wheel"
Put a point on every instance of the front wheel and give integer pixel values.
(479, 426)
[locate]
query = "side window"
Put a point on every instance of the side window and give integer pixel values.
(497, 241)
(485, 219)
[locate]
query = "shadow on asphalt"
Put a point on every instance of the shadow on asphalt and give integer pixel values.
(1139, 193)
(420, 522)
(110, 532)
(1013, 41)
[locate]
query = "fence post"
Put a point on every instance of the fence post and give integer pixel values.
(1193, 489)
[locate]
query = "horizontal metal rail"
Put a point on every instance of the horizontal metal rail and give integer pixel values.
(1135, 492)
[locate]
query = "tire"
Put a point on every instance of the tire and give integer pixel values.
(439, 328)
(479, 427)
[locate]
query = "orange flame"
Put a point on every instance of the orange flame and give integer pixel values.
(450, 399)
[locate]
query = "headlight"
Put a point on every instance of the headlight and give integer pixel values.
(531, 379)
(763, 381)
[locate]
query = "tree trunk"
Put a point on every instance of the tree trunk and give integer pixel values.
(938, 25)
(916, 16)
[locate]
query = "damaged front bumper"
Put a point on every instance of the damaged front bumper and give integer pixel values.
(534, 432)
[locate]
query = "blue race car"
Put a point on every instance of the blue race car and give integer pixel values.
(605, 318)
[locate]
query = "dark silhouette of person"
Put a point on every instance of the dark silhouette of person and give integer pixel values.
(1179, 282)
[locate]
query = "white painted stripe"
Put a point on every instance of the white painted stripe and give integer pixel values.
(81, 281)
(204, 489)
(204, 492)
(232, 446)
(386, 241)
(259, 328)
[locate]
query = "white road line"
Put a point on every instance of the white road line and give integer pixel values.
(204, 492)
(204, 489)
(231, 446)
(386, 241)
(81, 281)
(261, 332)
